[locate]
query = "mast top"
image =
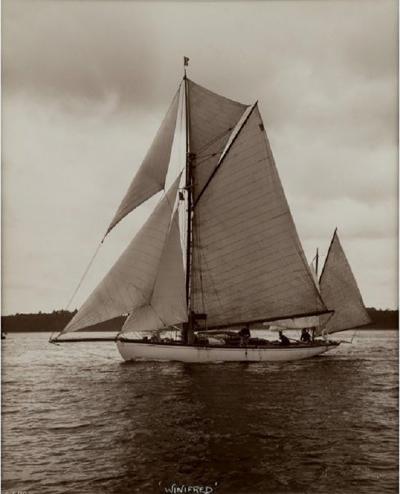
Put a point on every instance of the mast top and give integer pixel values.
(185, 64)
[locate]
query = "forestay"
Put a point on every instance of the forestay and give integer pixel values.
(248, 263)
(130, 282)
(151, 175)
(340, 292)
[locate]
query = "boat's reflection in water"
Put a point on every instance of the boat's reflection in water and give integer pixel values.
(247, 427)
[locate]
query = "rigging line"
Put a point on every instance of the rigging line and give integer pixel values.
(84, 274)
(327, 254)
(214, 140)
(204, 158)
(199, 262)
(325, 324)
(225, 154)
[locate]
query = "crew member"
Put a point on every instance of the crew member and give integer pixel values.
(284, 341)
(244, 334)
(305, 336)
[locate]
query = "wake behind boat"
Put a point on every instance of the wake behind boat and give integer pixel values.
(219, 252)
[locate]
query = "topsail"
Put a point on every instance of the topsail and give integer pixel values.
(212, 120)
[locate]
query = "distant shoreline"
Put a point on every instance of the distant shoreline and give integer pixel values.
(57, 320)
(363, 328)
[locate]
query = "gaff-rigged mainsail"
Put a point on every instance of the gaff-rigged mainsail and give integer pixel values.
(248, 263)
(340, 292)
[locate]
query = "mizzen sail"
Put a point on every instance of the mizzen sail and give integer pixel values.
(130, 282)
(248, 263)
(152, 173)
(340, 292)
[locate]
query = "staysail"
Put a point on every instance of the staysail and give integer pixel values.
(167, 304)
(130, 282)
(151, 175)
(248, 263)
(340, 292)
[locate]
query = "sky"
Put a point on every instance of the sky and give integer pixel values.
(85, 85)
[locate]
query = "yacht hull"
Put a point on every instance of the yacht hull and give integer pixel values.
(131, 350)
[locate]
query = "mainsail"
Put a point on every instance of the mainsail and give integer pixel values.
(248, 263)
(151, 175)
(340, 292)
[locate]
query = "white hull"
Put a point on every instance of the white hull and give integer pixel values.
(131, 350)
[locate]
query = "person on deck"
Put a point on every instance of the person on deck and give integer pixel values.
(284, 340)
(305, 336)
(244, 334)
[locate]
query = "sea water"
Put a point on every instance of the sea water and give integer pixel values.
(76, 419)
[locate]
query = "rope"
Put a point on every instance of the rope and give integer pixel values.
(51, 339)
(84, 274)
(213, 140)
(352, 338)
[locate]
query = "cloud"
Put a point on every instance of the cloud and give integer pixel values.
(85, 85)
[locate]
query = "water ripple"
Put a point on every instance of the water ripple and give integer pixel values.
(78, 420)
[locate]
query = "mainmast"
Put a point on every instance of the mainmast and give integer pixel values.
(188, 327)
(316, 263)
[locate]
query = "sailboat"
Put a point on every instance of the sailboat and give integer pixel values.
(220, 252)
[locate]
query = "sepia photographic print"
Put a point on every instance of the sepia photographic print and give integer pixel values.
(199, 247)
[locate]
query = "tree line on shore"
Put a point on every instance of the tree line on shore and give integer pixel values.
(58, 319)
(53, 321)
